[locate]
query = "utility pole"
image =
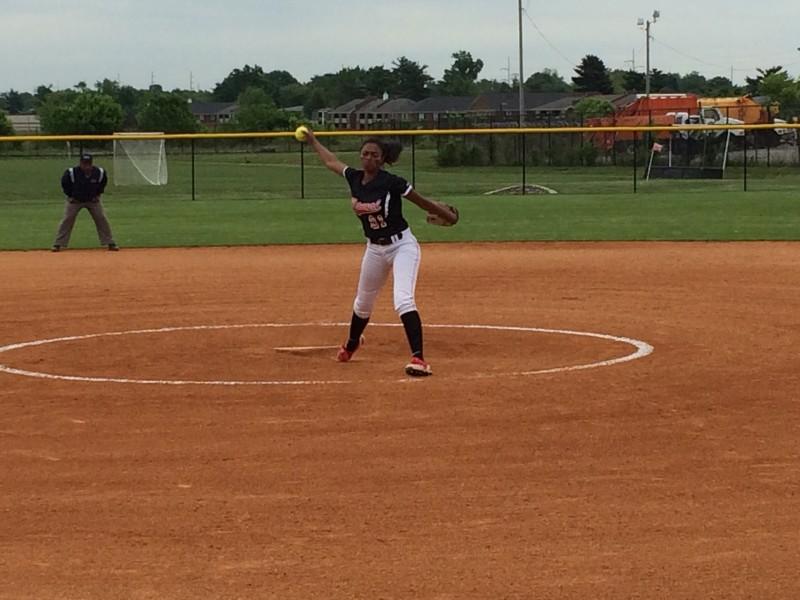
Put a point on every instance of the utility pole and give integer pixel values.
(521, 78)
(646, 24)
(632, 60)
(647, 66)
(507, 69)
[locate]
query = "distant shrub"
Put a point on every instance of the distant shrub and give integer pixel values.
(458, 155)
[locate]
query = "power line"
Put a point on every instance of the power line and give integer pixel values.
(571, 63)
(715, 65)
(685, 55)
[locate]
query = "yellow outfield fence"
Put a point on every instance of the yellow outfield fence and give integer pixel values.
(397, 132)
(664, 151)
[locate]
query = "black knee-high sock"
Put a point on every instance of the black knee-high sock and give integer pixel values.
(413, 326)
(357, 326)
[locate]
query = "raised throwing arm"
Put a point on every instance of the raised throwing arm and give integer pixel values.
(327, 157)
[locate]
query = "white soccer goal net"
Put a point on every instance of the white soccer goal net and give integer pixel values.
(139, 162)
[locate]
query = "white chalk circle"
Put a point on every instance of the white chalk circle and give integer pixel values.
(641, 349)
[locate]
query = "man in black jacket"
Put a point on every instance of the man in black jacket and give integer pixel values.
(83, 185)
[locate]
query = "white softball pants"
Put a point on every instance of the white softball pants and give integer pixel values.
(402, 259)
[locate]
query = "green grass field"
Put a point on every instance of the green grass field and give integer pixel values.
(255, 199)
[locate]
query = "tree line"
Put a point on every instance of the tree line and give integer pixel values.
(263, 96)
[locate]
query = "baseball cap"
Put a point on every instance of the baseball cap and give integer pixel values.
(86, 157)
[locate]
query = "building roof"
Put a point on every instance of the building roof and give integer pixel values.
(371, 106)
(443, 104)
(618, 100)
(561, 104)
(352, 105)
(509, 101)
(394, 106)
(397, 105)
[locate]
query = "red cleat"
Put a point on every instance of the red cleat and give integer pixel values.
(344, 355)
(418, 368)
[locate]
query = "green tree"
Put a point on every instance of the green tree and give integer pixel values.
(129, 97)
(165, 112)
(275, 83)
(338, 88)
(315, 100)
(488, 86)
(5, 125)
(547, 80)
(348, 84)
(42, 92)
(411, 79)
(664, 82)
(85, 112)
(13, 102)
(108, 87)
(292, 94)
(593, 107)
(257, 112)
(592, 76)
(379, 80)
(237, 81)
(718, 87)
(782, 89)
(460, 78)
(694, 83)
(633, 81)
(617, 77)
(753, 83)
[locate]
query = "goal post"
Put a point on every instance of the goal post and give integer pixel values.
(139, 162)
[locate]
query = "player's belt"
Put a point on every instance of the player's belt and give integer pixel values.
(386, 241)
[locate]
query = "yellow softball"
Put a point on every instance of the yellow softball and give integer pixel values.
(300, 133)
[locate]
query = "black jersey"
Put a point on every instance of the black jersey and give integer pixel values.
(82, 188)
(380, 202)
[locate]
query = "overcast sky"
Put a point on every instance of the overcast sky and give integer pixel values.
(63, 42)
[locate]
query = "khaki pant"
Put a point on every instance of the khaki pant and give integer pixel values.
(71, 210)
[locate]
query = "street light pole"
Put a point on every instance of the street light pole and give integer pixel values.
(647, 67)
(521, 90)
(647, 23)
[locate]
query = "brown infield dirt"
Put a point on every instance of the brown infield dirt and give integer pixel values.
(676, 475)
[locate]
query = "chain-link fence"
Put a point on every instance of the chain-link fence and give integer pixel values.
(464, 162)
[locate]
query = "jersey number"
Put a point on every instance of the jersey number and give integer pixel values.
(376, 222)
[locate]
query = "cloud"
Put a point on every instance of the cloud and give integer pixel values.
(62, 43)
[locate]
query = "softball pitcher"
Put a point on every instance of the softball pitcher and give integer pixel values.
(376, 198)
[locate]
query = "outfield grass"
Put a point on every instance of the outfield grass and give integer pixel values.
(254, 199)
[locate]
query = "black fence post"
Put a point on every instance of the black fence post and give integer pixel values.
(302, 171)
(744, 170)
(491, 142)
(613, 148)
(635, 139)
(193, 172)
(414, 160)
(768, 137)
(524, 164)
